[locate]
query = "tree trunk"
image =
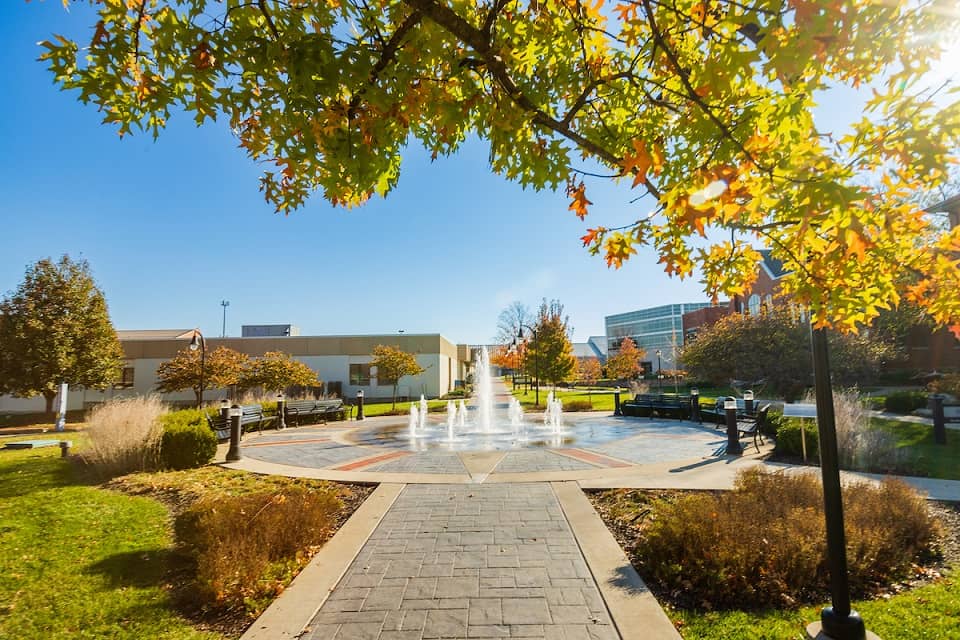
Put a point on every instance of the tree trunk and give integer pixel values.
(395, 386)
(49, 397)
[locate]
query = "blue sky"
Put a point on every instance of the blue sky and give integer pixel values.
(172, 227)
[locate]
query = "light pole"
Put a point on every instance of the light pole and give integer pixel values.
(536, 360)
(659, 374)
(197, 342)
(224, 304)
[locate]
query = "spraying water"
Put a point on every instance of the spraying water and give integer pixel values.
(462, 414)
(451, 418)
(484, 392)
(553, 414)
(414, 420)
(423, 413)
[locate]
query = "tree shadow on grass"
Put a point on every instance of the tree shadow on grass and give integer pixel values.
(26, 474)
(140, 569)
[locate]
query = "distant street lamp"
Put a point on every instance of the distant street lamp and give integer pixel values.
(197, 342)
(536, 360)
(659, 374)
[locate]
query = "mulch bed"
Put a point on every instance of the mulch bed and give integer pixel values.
(627, 531)
(230, 623)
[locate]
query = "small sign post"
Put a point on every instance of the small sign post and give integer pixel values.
(61, 423)
(801, 411)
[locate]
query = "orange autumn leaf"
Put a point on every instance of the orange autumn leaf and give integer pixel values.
(579, 203)
(638, 162)
(593, 235)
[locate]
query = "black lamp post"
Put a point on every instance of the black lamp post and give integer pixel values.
(659, 374)
(536, 360)
(197, 342)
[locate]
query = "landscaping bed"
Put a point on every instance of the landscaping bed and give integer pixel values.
(119, 560)
(927, 590)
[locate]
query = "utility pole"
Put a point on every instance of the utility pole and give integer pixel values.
(224, 304)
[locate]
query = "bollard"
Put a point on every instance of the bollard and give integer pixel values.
(65, 448)
(748, 402)
(733, 439)
(233, 454)
(695, 405)
(281, 406)
(939, 421)
(360, 405)
(616, 403)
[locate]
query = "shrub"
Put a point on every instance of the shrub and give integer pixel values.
(124, 436)
(577, 405)
(905, 401)
(186, 444)
(788, 438)
(455, 393)
(245, 545)
(763, 544)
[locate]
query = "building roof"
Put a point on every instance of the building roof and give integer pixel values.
(773, 266)
(945, 206)
(155, 334)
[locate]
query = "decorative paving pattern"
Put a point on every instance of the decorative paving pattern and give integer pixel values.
(314, 454)
(661, 446)
(462, 561)
(538, 460)
(595, 458)
(424, 462)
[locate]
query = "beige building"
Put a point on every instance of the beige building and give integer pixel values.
(341, 362)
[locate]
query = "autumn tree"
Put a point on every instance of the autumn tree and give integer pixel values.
(56, 328)
(275, 371)
(625, 363)
(551, 349)
(772, 349)
(393, 363)
(222, 368)
(506, 357)
(704, 111)
(588, 372)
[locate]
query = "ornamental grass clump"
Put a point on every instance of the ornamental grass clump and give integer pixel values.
(124, 436)
(246, 547)
(763, 544)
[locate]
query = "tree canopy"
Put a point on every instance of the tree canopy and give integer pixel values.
(625, 363)
(771, 351)
(702, 109)
(223, 367)
(275, 371)
(393, 363)
(56, 328)
(551, 348)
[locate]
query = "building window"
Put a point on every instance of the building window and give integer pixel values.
(754, 304)
(360, 375)
(126, 379)
(768, 302)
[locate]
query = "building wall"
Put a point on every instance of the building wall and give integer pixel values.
(655, 328)
(329, 356)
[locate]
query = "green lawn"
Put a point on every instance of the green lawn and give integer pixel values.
(928, 613)
(925, 457)
(602, 399)
(374, 409)
(77, 561)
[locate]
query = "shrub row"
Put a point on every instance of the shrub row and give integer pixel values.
(905, 401)
(763, 544)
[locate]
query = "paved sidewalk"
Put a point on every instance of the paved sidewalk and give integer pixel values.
(468, 561)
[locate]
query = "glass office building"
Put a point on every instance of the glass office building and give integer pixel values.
(657, 328)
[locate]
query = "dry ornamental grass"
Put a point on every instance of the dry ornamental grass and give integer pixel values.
(124, 436)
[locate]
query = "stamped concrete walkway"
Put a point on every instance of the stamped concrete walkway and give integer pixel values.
(494, 544)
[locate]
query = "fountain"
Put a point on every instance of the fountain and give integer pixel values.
(414, 420)
(462, 414)
(484, 392)
(451, 418)
(553, 414)
(423, 413)
(515, 413)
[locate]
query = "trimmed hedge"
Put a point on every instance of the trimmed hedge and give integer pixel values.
(905, 401)
(187, 441)
(789, 439)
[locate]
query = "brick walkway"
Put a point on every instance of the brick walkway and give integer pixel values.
(467, 561)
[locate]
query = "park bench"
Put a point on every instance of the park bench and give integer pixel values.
(251, 416)
(752, 425)
(648, 405)
(296, 411)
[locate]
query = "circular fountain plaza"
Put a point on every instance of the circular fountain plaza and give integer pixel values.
(489, 439)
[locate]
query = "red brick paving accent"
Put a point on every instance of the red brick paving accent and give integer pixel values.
(277, 443)
(366, 462)
(593, 458)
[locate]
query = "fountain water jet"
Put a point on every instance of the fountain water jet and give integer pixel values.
(553, 414)
(462, 414)
(451, 418)
(423, 413)
(484, 395)
(414, 420)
